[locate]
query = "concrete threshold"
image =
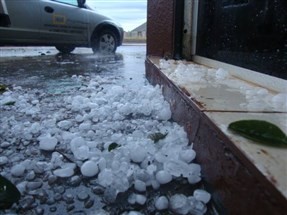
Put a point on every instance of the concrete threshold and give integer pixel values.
(243, 177)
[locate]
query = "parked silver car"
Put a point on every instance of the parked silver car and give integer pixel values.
(65, 24)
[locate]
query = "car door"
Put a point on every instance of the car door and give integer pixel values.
(63, 21)
(22, 21)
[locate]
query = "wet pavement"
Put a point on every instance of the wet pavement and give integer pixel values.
(51, 71)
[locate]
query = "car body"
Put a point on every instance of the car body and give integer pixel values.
(65, 24)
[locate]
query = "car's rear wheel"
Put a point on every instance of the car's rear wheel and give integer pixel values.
(65, 49)
(105, 42)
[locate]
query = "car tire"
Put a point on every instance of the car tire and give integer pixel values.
(65, 49)
(105, 42)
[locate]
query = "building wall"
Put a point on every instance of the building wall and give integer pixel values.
(160, 24)
(136, 34)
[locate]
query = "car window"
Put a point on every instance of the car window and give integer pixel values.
(72, 2)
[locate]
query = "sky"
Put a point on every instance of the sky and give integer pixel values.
(129, 13)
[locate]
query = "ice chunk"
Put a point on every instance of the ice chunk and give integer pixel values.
(65, 124)
(115, 165)
(280, 101)
(76, 143)
(116, 91)
(164, 113)
(110, 194)
(161, 203)
(18, 170)
(179, 204)
(177, 168)
(57, 159)
(66, 171)
(5, 144)
(102, 163)
(164, 64)
(133, 213)
(3, 160)
(68, 136)
(262, 92)
(202, 195)
(193, 179)
(121, 183)
(85, 126)
(91, 134)
(141, 175)
(221, 74)
(106, 177)
(163, 177)
(155, 184)
(132, 199)
(35, 128)
(89, 168)
(151, 169)
(140, 199)
(49, 123)
(80, 103)
(194, 174)
(41, 166)
(101, 212)
(31, 176)
(82, 153)
(138, 154)
(160, 157)
(79, 118)
(22, 186)
(140, 186)
(187, 155)
(48, 143)
(196, 207)
(33, 185)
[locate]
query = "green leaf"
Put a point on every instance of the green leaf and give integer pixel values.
(260, 131)
(9, 194)
(113, 146)
(10, 103)
(3, 88)
(157, 136)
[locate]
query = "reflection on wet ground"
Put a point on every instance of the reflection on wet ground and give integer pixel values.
(52, 73)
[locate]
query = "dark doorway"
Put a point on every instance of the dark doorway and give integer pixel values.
(246, 33)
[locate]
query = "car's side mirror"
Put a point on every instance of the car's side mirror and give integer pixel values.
(81, 3)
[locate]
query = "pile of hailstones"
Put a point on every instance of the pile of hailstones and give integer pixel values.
(89, 125)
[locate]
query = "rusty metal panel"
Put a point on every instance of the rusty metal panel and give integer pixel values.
(160, 28)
